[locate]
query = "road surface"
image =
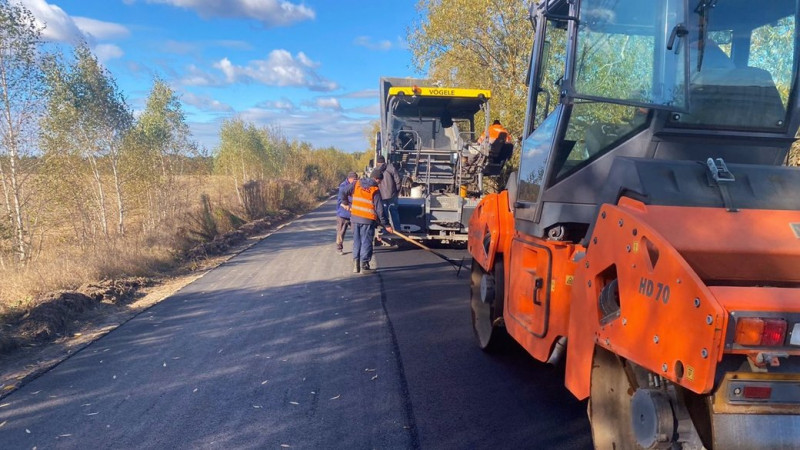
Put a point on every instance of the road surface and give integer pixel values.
(283, 347)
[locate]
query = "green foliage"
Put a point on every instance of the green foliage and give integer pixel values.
(479, 44)
(765, 42)
(333, 165)
(161, 133)
(86, 122)
(311, 172)
(21, 91)
(371, 134)
(20, 45)
(246, 152)
(160, 155)
(249, 154)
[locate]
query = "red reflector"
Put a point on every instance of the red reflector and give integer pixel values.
(757, 392)
(774, 332)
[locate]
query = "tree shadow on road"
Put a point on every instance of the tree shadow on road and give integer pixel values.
(292, 364)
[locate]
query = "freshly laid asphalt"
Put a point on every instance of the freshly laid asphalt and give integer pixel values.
(283, 347)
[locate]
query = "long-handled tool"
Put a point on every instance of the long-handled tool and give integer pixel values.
(456, 264)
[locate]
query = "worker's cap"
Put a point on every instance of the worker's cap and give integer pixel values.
(377, 173)
(352, 175)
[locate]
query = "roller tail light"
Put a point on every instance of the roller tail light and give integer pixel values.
(774, 333)
(755, 331)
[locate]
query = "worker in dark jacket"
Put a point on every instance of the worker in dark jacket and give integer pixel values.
(366, 211)
(342, 212)
(390, 188)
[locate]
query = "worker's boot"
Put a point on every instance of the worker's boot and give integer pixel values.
(356, 266)
(365, 267)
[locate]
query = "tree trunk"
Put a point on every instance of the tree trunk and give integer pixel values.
(101, 195)
(10, 142)
(120, 204)
(238, 191)
(6, 195)
(15, 196)
(244, 176)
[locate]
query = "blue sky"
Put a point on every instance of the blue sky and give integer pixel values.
(310, 67)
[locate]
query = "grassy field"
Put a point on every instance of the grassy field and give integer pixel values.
(202, 207)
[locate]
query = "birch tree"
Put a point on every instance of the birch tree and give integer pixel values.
(161, 144)
(241, 154)
(21, 87)
(87, 117)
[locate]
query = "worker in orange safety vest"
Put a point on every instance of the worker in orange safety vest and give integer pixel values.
(494, 131)
(366, 212)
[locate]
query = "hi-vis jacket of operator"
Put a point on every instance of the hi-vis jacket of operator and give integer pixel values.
(494, 131)
(366, 206)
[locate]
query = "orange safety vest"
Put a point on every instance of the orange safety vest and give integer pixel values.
(362, 205)
(494, 131)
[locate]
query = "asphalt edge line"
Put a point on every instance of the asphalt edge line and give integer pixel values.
(104, 331)
(408, 408)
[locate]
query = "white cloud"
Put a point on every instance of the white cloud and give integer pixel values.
(197, 77)
(107, 52)
(61, 27)
(187, 47)
(177, 47)
(139, 70)
(372, 110)
(366, 41)
(205, 103)
(402, 44)
(232, 44)
(101, 30)
(317, 127)
(366, 93)
(283, 104)
(270, 13)
(279, 69)
(328, 103)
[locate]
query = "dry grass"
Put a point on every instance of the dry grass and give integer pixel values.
(61, 262)
(70, 268)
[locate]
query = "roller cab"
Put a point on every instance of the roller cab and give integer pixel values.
(651, 238)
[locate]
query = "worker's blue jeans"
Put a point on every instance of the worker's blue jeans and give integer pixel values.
(362, 241)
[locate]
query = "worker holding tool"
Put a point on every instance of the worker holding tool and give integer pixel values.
(366, 211)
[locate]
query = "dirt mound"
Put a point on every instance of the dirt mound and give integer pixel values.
(57, 314)
(221, 244)
(115, 291)
(52, 316)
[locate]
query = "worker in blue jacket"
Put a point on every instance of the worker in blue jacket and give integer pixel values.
(342, 211)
